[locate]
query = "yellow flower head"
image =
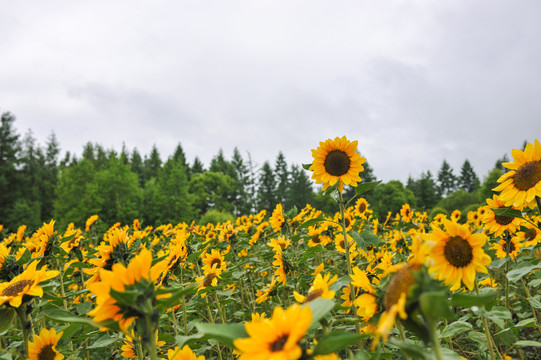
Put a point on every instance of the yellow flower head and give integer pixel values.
(183, 354)
(44, 346)
(276, 337)
(336, 161)
(522, 184)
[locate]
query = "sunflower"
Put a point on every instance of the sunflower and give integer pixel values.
(406, 213)
(318, 236)
(183, 354)
(361, 207)
(214, 260)
(367, 306)
(336, 161)
(360, 280)
(276, 337)
(457, 254)
(26, 283)
(522, 184)
(530, 237)
(320, 288)
(44, 346)
(455, 216)
(341, 245)
(508, 245)
(120, 279)
(497, 224)
(209, 278)
(91, 220)
(277, 219)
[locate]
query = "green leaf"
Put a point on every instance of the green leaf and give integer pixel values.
(509, 211)
(534, 301)
(7, 315)
(526, 323)
(456, 327)
(306, 166)
(486, 298)
(331, 189)
(370, 238)
(449, 354)
(102, 342)
(498, 315)
(223, 333)
(364, 187)
(522, 270)
(57, 314)
(335, 341)
(524, 343)
(309, 253)
(320, 307)
(436, 305)
(412, 350)
(311, 222)
(177, 294)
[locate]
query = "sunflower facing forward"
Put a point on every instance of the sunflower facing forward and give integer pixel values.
(457, 254)
(522, 184)
(277, 337)
(44, 346)
(337, 161)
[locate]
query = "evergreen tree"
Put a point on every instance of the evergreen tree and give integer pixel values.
(390, 197)
(468, 180)
(173, 201)
(446, 180)
(242, 201)
(197, 167)
(152, 164)
(499, 164)
(424, 190)
(266, 197)
(282, 178)
(210, 190)
(124, 154)
(137, 166)
(179, 155)
(299, 192)
(50, 177)
(490, 182)
(9, 152)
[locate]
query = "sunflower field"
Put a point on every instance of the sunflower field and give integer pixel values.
(290, 284)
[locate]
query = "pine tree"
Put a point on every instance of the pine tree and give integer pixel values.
(243, 201)
(50, 177)
(282, 178)
(196, 168)
(468, 180)
(152, 164)
(266, 198)
(136, 165)
(179, 155)
(9, 154)
(299, 191)
(446, 180)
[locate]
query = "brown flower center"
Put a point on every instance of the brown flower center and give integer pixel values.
(314, 294)
(208, 279)
(528, 175)
(16, 288)
(400, 282)
(509, 245)
(316, 239)
(530, 235)
(362, 208)
(47, 353)
(458, 252)
(503, 220)
(216, 262)
(278, 345)
(337, 163)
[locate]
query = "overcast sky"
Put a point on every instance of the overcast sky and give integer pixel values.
(415, 82)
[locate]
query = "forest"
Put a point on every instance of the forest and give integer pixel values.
(38, 183)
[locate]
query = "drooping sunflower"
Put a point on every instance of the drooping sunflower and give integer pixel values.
(276, 337)
(497, 224)
(44, 346)
(277, 219)
(336, 161)
(26, 283)
(457, 254)
(522, 184)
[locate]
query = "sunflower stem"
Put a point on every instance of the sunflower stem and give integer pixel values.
(149, 339)
(26, 325)
(432, 324)
(348, 259)
(490, 342)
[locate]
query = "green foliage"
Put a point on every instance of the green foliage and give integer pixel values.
(214, 216)
(446, 180)
(210, 190)
(459, 199)
(266, 195)
(491, 181)
(468, 180)
(438, 210)
(390, 197)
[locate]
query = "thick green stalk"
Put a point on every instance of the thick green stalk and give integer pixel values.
(26, 325)
(490, 342)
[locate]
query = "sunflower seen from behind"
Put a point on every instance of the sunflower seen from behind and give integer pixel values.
(336, 161)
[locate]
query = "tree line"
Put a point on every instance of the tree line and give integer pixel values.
(37, 185)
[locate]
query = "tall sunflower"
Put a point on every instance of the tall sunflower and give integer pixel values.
(277, 337)
(44, 346)
(497, 224)
(336, 161)
(522, 184)
(320, 288)
(183, 354)
(457, 254)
